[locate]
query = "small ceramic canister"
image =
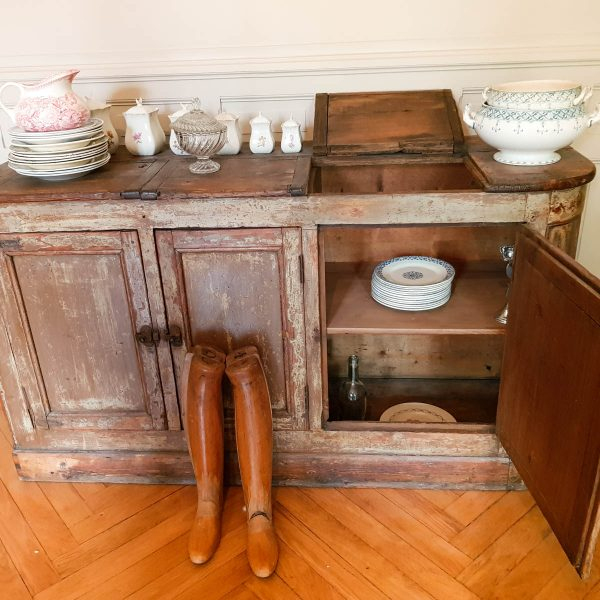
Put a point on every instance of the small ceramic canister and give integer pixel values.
(173, 143)
(234, 133)
(261, 136)
(144, 136)
(291, 139)
(101, 110)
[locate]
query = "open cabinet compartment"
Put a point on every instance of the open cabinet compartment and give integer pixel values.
(449, 356)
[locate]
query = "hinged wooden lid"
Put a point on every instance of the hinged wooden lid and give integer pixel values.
(413, 122)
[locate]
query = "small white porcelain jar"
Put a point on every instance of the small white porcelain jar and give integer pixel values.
(234, 133)
(261, 136)
(101, 110)
(144, 136)
(173, 143)
(291, 138)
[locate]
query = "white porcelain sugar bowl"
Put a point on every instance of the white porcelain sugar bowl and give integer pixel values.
(144, 136)
(234, 133)
(261, 136)
(173, 143)
(101, 110)
(291, 138)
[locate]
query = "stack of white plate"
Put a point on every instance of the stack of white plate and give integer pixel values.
(412, 282)
(59, 155)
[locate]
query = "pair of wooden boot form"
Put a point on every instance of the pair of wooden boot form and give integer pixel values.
(202, 375)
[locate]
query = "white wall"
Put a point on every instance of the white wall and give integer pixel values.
(274, 56)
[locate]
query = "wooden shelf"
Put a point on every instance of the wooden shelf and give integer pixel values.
(467, 400)
(477, 297)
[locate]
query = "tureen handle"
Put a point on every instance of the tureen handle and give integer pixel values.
(469, 116)
(586, 92)
(9, 111)
(594, 117)
(485, 93)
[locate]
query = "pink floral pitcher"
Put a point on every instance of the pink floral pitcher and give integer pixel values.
(50, 105)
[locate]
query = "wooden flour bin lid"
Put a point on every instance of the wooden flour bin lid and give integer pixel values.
(411, 122)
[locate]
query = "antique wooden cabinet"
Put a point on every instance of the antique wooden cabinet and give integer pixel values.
(105, 282)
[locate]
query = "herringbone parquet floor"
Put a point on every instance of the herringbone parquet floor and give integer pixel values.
(64, 541)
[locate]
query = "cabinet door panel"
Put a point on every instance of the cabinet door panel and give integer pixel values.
(79, 299)
(549, 410)
(239, 287)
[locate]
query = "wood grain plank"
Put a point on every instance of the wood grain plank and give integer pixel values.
(441, 498)
(106, 541)
(350, 584)
(566, 583)
(300, 578)
(470, 505)
(138, 498)
(485, 573)
(11, 583)
(186, 574)
(404, 557)
(533, 572)
(25, 550)
(272, 588)
(364, 559)
(220, 582)
(66, 501)
(426, 512)
(93, 574)
(490, 525)
(47, 525)
(442, 553)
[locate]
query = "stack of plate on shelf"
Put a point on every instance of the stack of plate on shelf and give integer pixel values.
(412, 282)
(59, 155)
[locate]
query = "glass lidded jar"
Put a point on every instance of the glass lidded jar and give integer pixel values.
(201, 136)
(352, 401)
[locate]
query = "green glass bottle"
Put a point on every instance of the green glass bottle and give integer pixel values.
(353, 394)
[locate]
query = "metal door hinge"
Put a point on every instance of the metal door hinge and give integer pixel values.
(148, 336)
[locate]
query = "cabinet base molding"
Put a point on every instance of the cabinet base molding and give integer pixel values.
(341, 470)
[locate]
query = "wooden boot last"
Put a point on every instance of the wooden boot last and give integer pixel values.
(202, 375)
(254, 438)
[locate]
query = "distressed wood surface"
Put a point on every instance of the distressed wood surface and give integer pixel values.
(82, 298)
(573, 170)
(388, 122)
(548, 417)
(477, 297)
(382, 355)
(238, 288)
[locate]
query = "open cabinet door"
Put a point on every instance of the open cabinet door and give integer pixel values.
(549, 407)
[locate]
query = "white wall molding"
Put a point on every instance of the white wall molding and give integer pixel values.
(283, 61)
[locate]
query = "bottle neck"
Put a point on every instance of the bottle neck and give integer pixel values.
(353, 368)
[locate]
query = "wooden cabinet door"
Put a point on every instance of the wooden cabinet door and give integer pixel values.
(549, 407)
(71, 306)
(236, 287)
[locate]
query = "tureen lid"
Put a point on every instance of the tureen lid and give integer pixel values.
(225, 116)
(140, 109)
(290, 122)
(197, 121)
(260, 118)
(93, 104)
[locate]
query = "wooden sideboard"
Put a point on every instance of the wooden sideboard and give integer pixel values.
(106, 280)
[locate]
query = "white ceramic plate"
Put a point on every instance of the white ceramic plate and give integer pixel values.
(59, 148)
(409, 306)
(58, 158)
(381, 291)
(33, 137)
(416, 412)
(64, 175)
(411, 271)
